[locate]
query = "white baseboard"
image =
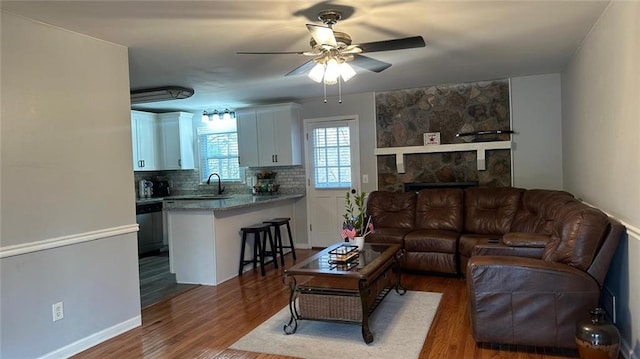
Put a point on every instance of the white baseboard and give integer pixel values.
(627, 351)
(94, 339)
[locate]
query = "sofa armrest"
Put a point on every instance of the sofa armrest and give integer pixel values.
(521, 239)
(527, 301)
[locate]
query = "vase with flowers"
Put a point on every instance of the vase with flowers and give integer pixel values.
(357, 224)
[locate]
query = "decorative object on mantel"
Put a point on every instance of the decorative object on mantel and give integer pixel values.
(596, 338)
(356, 223)
(431, 138)
(482, 134)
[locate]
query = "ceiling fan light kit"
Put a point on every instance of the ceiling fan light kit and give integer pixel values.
(332, 50)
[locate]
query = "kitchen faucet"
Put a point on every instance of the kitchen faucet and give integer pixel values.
(220, 189)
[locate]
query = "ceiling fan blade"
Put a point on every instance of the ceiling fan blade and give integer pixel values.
(302, 68)
(396, 44)
(270, 52)
(369, 63)
(322, 35)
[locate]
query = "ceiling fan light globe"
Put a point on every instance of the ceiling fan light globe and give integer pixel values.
(317, 72)
(332, 72)
(205, 117)
(346, 71)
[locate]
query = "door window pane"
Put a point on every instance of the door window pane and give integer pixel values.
(332, 157)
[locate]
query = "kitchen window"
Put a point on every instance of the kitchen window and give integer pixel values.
(218, 149)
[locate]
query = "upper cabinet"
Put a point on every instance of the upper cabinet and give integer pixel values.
(269, 136)
(176, 133)
(247, 138)
(144, 133)
(162, 141)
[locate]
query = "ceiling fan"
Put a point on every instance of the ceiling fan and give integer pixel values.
(332, 50)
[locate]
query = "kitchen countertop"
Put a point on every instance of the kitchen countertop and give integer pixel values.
(234, 202)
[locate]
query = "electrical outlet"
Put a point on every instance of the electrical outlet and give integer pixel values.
(58, 311)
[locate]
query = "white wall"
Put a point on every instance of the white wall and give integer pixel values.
(537, 119)
(67, 195)
(601, 143)
(363, 105)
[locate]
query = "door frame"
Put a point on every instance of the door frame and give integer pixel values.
(356, 183)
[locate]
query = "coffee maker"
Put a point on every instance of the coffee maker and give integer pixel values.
(145, 189)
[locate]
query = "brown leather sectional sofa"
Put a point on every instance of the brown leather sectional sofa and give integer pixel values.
(535, 260)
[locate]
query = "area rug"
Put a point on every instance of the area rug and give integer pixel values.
(400, 325)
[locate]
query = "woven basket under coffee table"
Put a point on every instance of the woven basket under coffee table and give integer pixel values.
(340, 287)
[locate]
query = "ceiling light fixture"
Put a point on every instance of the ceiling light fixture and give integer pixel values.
(215, 115)
(160, 94)
(331, 69)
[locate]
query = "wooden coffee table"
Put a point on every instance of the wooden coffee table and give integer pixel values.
(324, 290)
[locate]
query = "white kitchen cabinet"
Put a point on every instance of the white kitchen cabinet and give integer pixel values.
(144, 136)
(277, 135)
(176, 133)
(247, 138)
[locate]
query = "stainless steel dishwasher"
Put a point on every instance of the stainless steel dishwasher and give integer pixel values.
(149, 218)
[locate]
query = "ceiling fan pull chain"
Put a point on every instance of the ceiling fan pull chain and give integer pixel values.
(339, 90)
(325, 91)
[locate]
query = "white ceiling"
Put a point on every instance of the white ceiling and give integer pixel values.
(193, 43)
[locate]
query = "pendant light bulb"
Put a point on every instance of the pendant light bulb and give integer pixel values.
(205, 117)
(332, 72)
(317, 72)
(346, 71)
(215, 116)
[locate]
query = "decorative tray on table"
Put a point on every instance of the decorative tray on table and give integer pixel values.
(344, 254)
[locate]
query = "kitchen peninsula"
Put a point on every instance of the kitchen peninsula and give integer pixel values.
(204, 234)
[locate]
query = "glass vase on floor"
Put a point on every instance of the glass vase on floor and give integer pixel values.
(597, 338)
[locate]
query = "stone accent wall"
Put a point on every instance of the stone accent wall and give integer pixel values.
(404, 115)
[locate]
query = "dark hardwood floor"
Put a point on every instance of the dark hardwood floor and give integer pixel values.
(156, 282)
(203, 322)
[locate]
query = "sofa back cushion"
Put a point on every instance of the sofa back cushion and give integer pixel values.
(440, 208)
(538, 210)
(579, 232)
(392, 209)
(490, 210)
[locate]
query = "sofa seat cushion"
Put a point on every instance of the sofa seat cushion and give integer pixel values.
(431, 240)
(431, 262)
(388, 235)
(490, 210)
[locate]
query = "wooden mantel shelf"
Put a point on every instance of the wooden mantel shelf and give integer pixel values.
(479, 147)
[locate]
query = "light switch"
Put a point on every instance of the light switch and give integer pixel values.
(365, 178)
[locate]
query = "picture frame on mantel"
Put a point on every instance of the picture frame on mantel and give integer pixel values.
(431, 138)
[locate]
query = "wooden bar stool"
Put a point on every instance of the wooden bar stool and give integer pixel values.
(276, 223)
(261, 232)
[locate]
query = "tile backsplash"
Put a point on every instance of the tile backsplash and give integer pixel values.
(290, 178)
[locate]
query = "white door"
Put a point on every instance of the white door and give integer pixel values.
(333, 169)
